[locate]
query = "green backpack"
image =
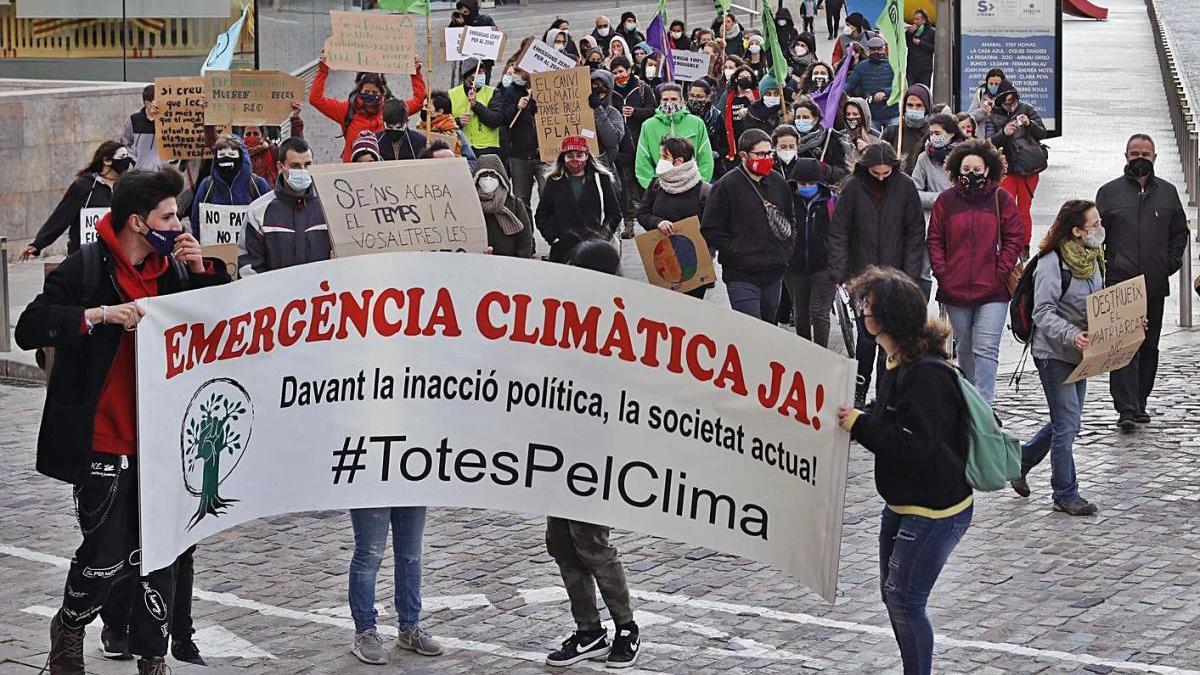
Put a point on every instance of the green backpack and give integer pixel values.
(993, 454)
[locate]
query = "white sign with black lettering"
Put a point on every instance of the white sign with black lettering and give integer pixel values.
(481, 43)
(87, 223)
(689, 66)
(221, 224)
(540, 57)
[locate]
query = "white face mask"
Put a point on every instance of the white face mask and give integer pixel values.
(800, 50)
(488, 184)
(603, 32)
(848, 31)
(676, 34)
(1094, 238)
(771, 101)
(651, 70)
(729, 72)
(630, 25)
(559, 46)
(663, 166)
(755, 48)
(786, 156)
(299, 179)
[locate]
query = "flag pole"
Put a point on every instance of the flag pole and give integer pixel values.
(428, 63)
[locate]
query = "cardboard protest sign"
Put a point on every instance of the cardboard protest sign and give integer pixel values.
(540, 57)
(451, 39)
(250, 97)
(371, 41)
(179, 127)
(481, 43)
(407, 205)
(481, 381)
(221, 224)
(226, 253)
(681, 261)
(689, 66)
(562, 109)
(449, 139)
(1115, 317)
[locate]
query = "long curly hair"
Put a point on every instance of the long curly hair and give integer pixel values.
(991, 157)
(898, 307)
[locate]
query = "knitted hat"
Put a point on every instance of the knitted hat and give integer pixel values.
(366, 143)
(574, 143)
(876, 43)
(627, 16)
(767, 82)
(806, 170)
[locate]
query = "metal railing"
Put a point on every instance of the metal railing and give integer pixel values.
(1185, 121)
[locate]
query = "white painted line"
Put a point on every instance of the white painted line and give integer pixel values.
(275, 19)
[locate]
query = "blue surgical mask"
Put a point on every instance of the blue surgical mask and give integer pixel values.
(162, 241)
(506, 80)
(480, 80)
(369, 99)
(914, 115)
(807, 191)
(992, 90)
(804, 125)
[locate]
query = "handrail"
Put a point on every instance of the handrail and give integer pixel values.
(5, 345)
(1185, 121)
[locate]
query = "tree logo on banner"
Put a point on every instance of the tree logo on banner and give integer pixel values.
(215, 434)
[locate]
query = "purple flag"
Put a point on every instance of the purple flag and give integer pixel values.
(828, 100)
(656, 36)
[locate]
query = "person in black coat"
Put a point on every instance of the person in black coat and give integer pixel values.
(91, 189)
(519, 116)
(628, 30)
(88, 435)
(878, 221)
(676, 193)
(397, 141)
(579, 201)
(785, 27)
(920, 37)
(1146, 233)
(679, 40)
(807, 275)
(747, 223)
(833, 16)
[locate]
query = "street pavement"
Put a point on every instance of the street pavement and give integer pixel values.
(1027, 590)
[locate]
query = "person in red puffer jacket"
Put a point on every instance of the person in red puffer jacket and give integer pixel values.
(975, 239)
(363, 111)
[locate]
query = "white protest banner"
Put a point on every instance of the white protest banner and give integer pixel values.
(221, 224)
(1115, 316)
(478, 381)
(404, 205)
(451, 39)
(540, 57)
(481, 43)
(87, 223)
(689, 66)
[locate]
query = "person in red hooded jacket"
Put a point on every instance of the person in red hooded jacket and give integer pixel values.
(363, 110)
(975, 237)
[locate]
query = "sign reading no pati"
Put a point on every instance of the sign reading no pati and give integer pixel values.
(406, 205)
(371, 41)
(562, 109)
(440, 379)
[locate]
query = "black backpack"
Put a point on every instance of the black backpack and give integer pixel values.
(1020, 310)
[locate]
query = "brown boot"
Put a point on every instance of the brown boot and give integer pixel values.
(66, 649)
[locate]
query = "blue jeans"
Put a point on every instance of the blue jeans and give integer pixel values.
(977, 331)
(1058, 436)
(758, 300)
(912, 551)
(407, 524)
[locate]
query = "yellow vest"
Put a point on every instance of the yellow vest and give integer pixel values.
(478, 135)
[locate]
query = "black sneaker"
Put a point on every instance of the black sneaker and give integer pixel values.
(1020, 486)
(114, 644)
(626, 646)
(66, 649)
(1126, 422)
(1076, 507)
(580, 647)
(1142, 417)
(185, 649)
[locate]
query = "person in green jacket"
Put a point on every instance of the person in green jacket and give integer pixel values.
(671, 119)
(477, 109)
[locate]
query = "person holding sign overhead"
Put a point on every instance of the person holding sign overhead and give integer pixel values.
(219, 207)
(363, 110)
(477, 109)
(86, 200)
(579, 201)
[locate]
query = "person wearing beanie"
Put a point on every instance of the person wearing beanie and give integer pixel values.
(767, 112)
(807, 275)
(854, 37)
(477, 108)
(629, 29)
(872, 80)
(917, 111)
(1017, 130)
(231, 183)
(509, 227)
(578, 202)
(756, 55)
(397, 141)
(610, 123)
(365, 148)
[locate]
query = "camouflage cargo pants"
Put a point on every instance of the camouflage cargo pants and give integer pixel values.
(586, 560)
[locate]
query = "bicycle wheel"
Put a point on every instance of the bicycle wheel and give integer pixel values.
(846, 320)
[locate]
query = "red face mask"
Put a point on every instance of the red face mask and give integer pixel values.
(760, 166)
(576, 166)
(253, 141)
(622, 80)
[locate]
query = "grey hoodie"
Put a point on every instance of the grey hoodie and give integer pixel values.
(610, 123)
(864, 129)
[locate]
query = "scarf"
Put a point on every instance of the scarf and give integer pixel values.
(1081, 260)
(496, 205)
(132, 282)
(810, 144)
(939, 155)
(444, 124)
(680, 179)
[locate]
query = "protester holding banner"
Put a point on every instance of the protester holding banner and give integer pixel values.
(820, 142)
(917, 432)
(878, 221)
(579, 201)
(974, 242)
(1068, 268)
(872, 80)
(747, 222)
(509, 227)
(85, 201)
(917, 110)
(1017, 130)
(672, 119)
(807, 276)
(139, 133)
(288, 226)
(397, 141)
(363, 110)
(89, 433)
(232, 183)
(264, 151)
(1147, 234)
(477, 109)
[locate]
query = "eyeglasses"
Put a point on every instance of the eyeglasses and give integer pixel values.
(760, 155)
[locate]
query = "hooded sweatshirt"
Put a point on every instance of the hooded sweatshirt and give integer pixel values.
(682, 124)
(864, 130)
(785, 27)
(610, 123)
(916, 133)
(246, 187)
(631, 36)
(1016, 148)
(519, 245)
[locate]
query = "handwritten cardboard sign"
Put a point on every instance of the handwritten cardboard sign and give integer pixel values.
(562, 109)
(1115, 317)
(250, 96)
(689, 66)
(371, 41)
(179, 128)
(406, 205)
(540, 57)
(680, 261)
(221, 224)
(481, 43)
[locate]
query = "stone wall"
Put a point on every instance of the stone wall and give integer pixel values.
(48, 131)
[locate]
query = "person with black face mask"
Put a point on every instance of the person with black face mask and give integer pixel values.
(86, 200)
(221, 199)
(1146, 233)
(397, 141)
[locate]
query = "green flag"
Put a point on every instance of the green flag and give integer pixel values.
(779, 67)
(891, 27)
(722, 6)
(662, 9)
(406, 6)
